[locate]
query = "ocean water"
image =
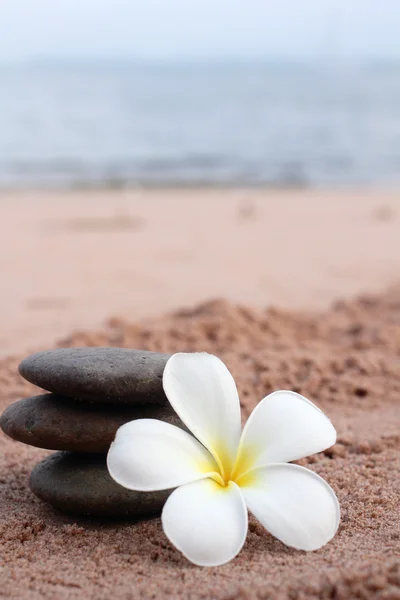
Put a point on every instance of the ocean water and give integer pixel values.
(277, 125)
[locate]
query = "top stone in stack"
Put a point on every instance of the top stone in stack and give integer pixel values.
(92, 392)
(116, 376)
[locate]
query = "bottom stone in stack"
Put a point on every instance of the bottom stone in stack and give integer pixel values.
(79, 484)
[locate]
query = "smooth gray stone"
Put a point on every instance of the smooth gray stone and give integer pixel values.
(79, 484)
(99, 375)
(58, 423)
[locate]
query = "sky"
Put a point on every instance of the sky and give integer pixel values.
(171, 30)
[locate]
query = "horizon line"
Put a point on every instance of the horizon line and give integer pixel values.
(277, 60)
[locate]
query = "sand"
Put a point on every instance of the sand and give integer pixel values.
(70, 259)
(345, 358)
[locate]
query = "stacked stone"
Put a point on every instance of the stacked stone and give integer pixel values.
(92, 392)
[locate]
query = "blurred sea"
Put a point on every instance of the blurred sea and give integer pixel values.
(280, 125)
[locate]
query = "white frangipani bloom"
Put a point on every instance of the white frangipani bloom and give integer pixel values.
(221, 471)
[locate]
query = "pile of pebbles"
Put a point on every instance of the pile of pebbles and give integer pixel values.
(92, 392)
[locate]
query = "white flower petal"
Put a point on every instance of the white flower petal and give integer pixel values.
(149, 455)
(283, 427)
(206, 522)
(203, 393)
(294, 504)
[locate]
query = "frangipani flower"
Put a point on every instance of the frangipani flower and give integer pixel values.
(221, 471)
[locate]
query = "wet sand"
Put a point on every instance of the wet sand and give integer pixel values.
(71, 259)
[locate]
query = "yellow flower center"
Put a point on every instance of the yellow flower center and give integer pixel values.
(236, 471)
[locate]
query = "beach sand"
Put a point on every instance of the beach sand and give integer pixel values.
(346, 359)
(71, 259)
(75, 259)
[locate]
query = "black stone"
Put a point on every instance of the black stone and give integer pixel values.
(99, 375)
(79, 484)
(57, 423)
